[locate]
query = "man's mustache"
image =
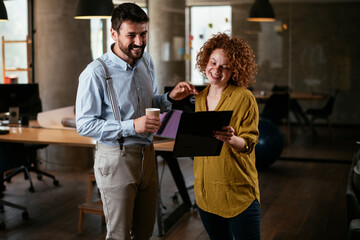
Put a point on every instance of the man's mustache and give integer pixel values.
(133, 46)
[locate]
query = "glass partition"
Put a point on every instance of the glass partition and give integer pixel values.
(205, 21)
(311, 49)
(310, 52)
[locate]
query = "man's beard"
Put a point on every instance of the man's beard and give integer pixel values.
(127, 50)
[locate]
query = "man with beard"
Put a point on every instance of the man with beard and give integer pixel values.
(113, 93)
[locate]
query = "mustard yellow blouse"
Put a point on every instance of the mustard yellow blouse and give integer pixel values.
(226, 185)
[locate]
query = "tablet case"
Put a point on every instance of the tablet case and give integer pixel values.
(195, 133)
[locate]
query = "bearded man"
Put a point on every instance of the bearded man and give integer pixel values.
(113, 93)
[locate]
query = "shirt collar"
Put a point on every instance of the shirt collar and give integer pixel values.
(227, 92)
(229, 89)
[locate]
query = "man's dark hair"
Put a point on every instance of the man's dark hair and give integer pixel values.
(127, 11)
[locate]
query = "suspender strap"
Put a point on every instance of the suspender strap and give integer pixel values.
(111, 91)
(147, 67)
(112, 97)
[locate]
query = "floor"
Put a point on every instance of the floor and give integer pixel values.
(302, 196)
(337, 145)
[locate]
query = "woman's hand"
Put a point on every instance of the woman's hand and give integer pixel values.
(227, 135)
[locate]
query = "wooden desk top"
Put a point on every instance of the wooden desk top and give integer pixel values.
(60, 137)
(46, 136)
(164, 146)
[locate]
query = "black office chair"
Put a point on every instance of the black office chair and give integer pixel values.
(281, 88)
(323, 113)
(30, 164)
(277, 109)
(30, 161)
(13, 151)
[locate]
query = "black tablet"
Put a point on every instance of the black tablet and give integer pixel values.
(194, 136)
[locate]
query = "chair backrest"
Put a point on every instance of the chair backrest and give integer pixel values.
(281, 88)
(329, 106)
(276, 107)
(352, 194)
(11, 155)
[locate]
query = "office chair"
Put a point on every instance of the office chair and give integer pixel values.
(281, 88)
(277, 109)
(30, 162)
(13, 150)
(353, 202)
(323, 113)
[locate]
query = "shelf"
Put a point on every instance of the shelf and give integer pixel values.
(27, 41)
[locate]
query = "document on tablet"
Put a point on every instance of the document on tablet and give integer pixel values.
(194, 136)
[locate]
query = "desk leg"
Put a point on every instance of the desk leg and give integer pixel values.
(164, 224)
(2, 185)
(178, 177)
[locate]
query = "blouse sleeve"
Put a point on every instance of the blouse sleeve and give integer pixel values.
(248, 125)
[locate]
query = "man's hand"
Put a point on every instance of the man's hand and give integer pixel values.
(182, 90)
(146, 124)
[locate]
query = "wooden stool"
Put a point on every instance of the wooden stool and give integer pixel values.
(90, 206)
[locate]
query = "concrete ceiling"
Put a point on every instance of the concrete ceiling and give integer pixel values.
(142, 3)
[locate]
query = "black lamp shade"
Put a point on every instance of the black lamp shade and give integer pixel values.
(3, 13)
(87, 9)
(261, 11)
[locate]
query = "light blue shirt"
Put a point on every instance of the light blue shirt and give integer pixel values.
(135, 91)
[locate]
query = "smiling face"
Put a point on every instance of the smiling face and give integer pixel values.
(217, 69)
(130, 42)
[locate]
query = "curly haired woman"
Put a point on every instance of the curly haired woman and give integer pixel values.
(226, 186)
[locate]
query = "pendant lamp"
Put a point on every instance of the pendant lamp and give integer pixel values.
(3, 13)
(88, 9)
(261, 11)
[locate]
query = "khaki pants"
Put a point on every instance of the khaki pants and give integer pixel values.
(127, 181)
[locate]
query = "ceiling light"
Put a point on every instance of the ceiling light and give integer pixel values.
(261, 11)
(3, 13)
(88, 9)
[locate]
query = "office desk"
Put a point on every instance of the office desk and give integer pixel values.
(264, 95)
(46, 136)
(296, 109)
(72, 138)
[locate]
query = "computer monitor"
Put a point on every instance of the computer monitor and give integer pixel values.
(188, 103)
(24, 96)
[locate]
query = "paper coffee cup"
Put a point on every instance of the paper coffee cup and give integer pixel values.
(153, 111)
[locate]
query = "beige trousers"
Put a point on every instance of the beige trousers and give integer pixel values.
(127, 181)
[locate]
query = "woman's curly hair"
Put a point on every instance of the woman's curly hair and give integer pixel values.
(239, 54)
